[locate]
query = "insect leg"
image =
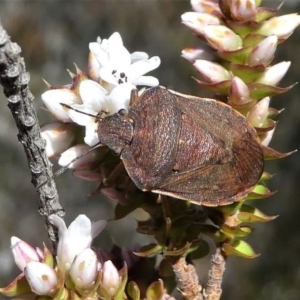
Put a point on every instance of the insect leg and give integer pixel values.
(133, 97)
(114, 174)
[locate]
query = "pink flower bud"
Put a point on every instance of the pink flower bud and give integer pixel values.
(262, 54)
(59, 137)
(212, 72)
(222, 38)
(274, 74)
(23, 253)
(111, 279)
(206, 6)
(41, 278)
(259, 113)
(192, 54)
(84, 269)
(281, 26)
(75, 239)
(53, 98)
(197, 21)
(88, 161)
(239, 92)
(243, 11)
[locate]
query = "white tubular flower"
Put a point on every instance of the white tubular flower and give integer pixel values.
(23, 253)
(53, 99)
(59, 137)
(75, 239)
(117, 65)
(111, 279)
(84, 269)
(41, 278)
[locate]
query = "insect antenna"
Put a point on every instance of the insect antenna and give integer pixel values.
(79, 111)
(63, 169)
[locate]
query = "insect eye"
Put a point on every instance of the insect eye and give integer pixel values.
(122, 112)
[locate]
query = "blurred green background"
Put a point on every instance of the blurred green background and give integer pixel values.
(55, 34)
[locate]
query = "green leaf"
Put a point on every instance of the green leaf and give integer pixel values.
(251, 214)
(259, 217)
(267, 125)
(253, 39)
(19, 286)
(48, 258)
(239, 248)
(270, 153)
(236, 231)
(265, 176)
(155, 290)
(237, 56)
(259, 90)
(133, 291)
(201, 251)
(121, 290)
(265, 13)
(149, 250)
(246, 73)
(179, 252)
(259, 192)
(243, 28)
(221, 87)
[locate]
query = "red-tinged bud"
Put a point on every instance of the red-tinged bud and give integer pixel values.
(197, 21)
(263, 53)
(259, 113)
(243, 11)
(211, 71)
(59, 137)
(239, 92)
(111, 279)
(222, 38)
(192, 54)
(88, 161)
(53, 99)
(94, 67)
(207, 6)
(281, 26)
(23, 253)
(41, 278)
(274, 74)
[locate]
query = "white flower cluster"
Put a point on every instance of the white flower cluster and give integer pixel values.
(113, 73)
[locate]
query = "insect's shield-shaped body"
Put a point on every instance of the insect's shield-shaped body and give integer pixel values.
(190, 148)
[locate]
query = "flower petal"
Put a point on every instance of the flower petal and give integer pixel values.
(136, 56)
(142, 67)
(120, 97)
(93, 94)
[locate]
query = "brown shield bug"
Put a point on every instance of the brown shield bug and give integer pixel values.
(195, 149)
